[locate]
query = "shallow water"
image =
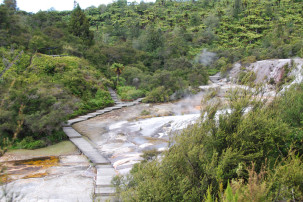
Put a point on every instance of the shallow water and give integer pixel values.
(65, 178)
(124, 140)
(62, 148)
(55, 173)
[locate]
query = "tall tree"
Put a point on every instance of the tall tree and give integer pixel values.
(4, 17)
(79, 25)
(237, 8)
(11, 4)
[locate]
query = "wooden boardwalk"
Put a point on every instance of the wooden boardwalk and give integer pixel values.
(90, 151)
(105, 171)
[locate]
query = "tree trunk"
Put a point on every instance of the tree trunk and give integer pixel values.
(117, 80)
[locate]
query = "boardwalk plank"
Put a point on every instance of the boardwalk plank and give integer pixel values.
(88, 150)
(71, 133)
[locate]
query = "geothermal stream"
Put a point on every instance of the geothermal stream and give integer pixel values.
(127, 135)
(123, 134)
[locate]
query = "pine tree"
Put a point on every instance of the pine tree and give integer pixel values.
(79, 25)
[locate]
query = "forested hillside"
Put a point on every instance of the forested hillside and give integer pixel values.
(167, 31)
(58, 64)
(44, 78)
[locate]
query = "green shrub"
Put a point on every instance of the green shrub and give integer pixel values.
(290, 106)
(159, 94)
(129, 93)
(212, 72)
(248, 60)
(247, 78)
(216, 150)
(49, 91)
(145, 112)
(101, 100)
(281, 183)
(29, 143)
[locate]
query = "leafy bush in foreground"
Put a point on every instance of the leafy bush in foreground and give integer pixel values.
(211, 153)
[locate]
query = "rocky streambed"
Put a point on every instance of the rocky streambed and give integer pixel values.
(123, 135)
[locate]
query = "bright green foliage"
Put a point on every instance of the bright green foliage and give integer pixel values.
(39, 93)
(128, 93)
(209, 198)
(29, 143)
(229, 196)
(227, 27)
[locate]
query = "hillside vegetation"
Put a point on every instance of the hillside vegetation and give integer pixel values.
(162, 50)
(165, 46)
(40, 92)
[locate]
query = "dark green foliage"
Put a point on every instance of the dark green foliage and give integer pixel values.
(102, 99)
(158, 94)
(290, 106)
(217, 150)
(79, 25)
(11, 4)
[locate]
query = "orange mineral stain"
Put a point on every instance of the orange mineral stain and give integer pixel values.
(34, 168)
(198, 107)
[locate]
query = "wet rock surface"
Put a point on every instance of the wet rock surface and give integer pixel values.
(124, 134)
(64, 178)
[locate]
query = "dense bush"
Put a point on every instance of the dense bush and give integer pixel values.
(159, 94)
(36, 99)
(127, 93)
(251, 147)
(29, 143)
